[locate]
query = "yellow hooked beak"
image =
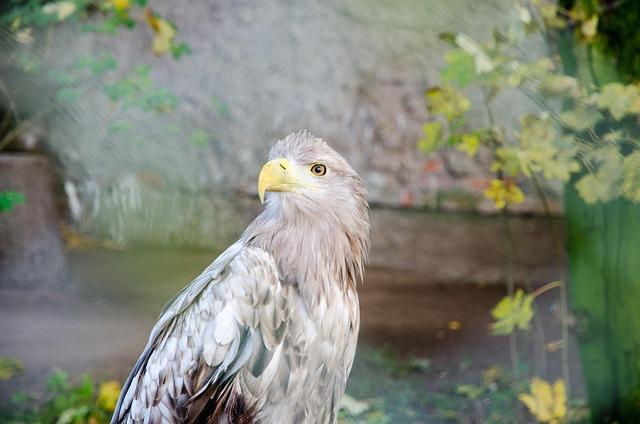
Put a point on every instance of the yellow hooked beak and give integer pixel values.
(276, 175)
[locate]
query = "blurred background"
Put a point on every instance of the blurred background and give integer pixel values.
(498, 140)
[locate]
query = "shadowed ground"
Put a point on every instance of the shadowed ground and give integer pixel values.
(101, 321)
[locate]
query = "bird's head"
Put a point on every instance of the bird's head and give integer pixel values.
(305, 175)
(316, 219)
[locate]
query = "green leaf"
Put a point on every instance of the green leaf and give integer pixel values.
(21, 398)
(470, 391)
(58, 382)
(200, 138)
(137, 90)
(102, 65)
(61, 77)
(119, 126)
(460, 67)
(448, 37)
(143, 70)
(431, 138)
(581, 118)
(85, 389)
(180, 49)
(98, 65)
(220, 106)
(68, 95)
(9, 199)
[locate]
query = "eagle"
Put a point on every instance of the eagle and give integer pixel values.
(268, 332)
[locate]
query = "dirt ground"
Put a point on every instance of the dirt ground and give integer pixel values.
(101, 320)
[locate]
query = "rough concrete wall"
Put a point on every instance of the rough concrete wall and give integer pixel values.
(353, 72)
(31, 252)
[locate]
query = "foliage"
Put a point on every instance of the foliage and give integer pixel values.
(30, 23)
(137, 90)
(512, 312)
(588, 137)
(586, 134)
(593, 139)
(357, 412)
(9, 199)
(617, 29)
(165, 32)
(66, 403)
(503, 193)
(548, 404)
(10, 367)
(108, 395)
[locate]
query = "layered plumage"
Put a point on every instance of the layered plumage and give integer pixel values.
(268, 332)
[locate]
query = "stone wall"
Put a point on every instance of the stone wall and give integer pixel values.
(353, 72)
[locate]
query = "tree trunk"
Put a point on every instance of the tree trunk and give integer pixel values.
(31, 251)
(604, 266)
(603, 244)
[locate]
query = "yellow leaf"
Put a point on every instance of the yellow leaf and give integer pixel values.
(512, 312)
(589, 27)
(63, 9)
(432, 136)
(492, 375)
(504, 193)
(549, 12)
(559, 399)
(547, 404)
(523, 14)
(483, 62)
(470, 144)
(108, 395)
(120, 5)
(447, 101)
(454, 325)
(554, 346)
(24, 36)
(15, 24)
(164, 32)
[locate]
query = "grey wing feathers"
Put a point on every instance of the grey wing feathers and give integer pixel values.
(232, 314)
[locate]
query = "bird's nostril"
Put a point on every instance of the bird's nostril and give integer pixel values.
(283, 166)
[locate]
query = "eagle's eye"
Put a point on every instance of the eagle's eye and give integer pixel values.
(318, 169)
